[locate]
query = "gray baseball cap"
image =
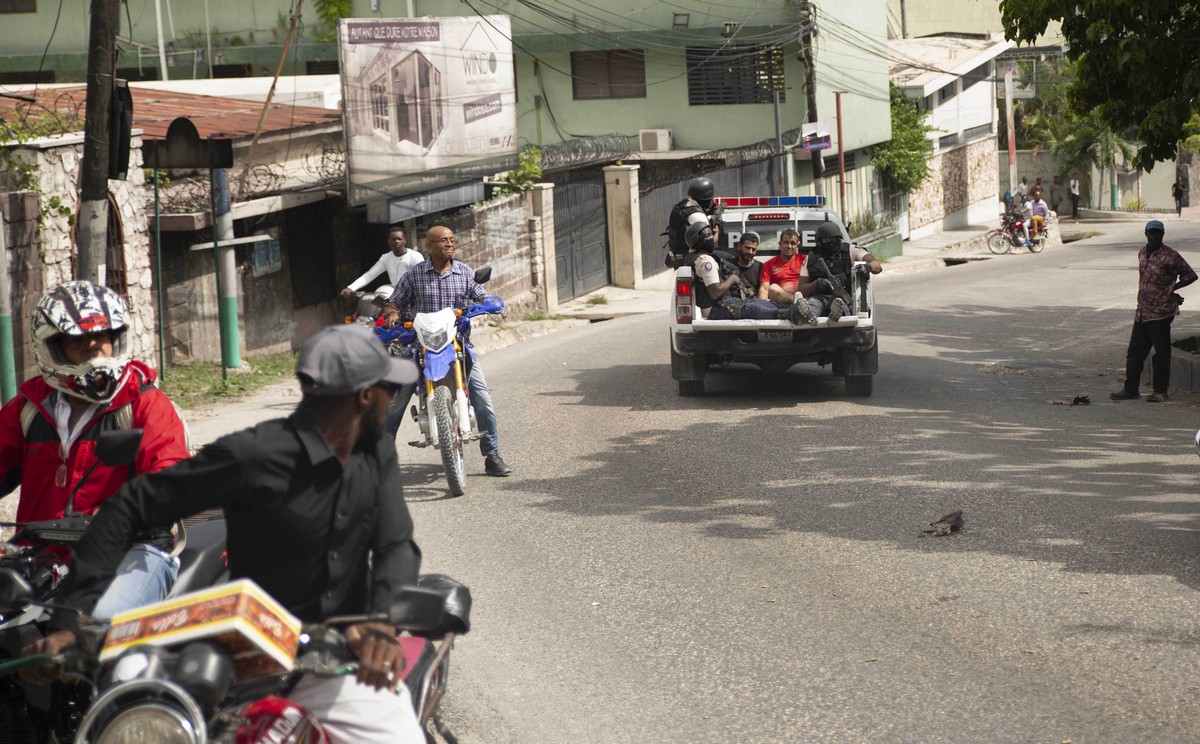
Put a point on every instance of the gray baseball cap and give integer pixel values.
(343, 359)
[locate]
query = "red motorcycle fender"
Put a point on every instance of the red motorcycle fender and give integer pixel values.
(276, 720)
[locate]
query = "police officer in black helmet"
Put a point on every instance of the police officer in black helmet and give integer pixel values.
(825, 277)
(699, 207)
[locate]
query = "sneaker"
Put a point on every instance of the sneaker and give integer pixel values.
(1124, 395)
(802, 314)
(495, 465)
(1157, 398)
(837, 309)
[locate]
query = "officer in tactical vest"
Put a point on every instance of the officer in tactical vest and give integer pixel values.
(825, 279)
(698, 208)
(720, 291)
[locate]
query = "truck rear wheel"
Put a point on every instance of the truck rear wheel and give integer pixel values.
(860, 385)
(691, 388)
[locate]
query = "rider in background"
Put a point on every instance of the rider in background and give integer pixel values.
(90, 383)
(438, 283)
(396, 262)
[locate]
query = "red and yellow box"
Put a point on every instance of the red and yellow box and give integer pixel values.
(257, 631)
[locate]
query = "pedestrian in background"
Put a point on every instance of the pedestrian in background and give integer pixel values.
(1177, 192)
(1074, 186)
(1055, 194)
(1161, 273)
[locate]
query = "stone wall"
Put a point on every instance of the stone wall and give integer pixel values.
(505, 234)
(957, 180)
(57, 162)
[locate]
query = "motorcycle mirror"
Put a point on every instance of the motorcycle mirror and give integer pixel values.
(483, 275)
(417, 610)
(115, 448)
(15, 591)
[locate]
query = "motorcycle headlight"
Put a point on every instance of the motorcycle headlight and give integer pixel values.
(149, 723)
(434, 341)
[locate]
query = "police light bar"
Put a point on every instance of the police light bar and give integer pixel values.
(772, 201)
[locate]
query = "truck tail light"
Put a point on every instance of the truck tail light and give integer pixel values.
(683, 300)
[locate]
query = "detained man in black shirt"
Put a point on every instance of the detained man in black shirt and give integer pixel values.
(315, 514)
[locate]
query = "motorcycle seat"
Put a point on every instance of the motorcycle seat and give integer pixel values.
(456, 613)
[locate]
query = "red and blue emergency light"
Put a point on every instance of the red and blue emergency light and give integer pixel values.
(772, 201)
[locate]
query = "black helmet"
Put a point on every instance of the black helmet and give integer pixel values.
(702, 190)
(828, 230)
(692, 235)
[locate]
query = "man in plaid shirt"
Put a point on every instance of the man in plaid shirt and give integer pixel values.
(1161, 273)
(433, 285)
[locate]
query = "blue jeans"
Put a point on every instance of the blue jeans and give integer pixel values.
(481, 401)
(145, 576)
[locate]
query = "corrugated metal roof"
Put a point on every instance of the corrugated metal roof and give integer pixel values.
(154, 110)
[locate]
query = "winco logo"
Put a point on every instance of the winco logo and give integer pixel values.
(478, 62)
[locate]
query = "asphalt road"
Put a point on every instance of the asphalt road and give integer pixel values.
(749, 566)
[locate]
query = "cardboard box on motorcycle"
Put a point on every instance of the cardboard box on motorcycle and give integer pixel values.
(258, 632)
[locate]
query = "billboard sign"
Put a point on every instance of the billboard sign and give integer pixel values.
(426, 103)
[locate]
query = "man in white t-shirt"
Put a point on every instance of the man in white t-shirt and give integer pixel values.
(396, 263)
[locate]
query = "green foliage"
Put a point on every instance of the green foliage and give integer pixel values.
(902, 158)
(27, 125)
(197, 384)
(522, 178)
(1136, 66)
(330, 12)
(1136, 205)
(867, 222)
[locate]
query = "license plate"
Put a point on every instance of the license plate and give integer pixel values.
(774, 337)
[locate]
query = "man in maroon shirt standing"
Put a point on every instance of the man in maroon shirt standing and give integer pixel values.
(1161, 273)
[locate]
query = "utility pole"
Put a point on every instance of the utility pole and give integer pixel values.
(808, 24)
(903, 20)
(92, 230)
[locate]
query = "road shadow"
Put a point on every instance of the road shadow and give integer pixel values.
(1099, 494)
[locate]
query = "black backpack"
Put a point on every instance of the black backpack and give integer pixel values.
(677, 225)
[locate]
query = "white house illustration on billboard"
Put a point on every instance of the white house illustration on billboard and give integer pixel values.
(407, 101)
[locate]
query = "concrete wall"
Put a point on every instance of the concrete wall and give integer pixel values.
(960, 190)
(926, 17)
(1153, 188)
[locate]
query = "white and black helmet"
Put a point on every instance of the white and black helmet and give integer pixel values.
(78, 309)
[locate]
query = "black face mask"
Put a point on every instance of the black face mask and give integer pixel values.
(1154, 239)
(706, 245)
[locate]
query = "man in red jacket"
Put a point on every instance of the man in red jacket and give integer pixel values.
(48, 432)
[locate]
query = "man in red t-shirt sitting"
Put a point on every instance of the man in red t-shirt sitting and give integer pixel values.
(781, 275)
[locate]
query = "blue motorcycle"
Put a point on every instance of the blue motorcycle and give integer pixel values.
(439, 344)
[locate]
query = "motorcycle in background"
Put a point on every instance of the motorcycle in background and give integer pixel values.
(189, 694)
(1011, 234)
(439, 343)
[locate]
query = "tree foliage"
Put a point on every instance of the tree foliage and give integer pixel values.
(330, 12)
(902, 158)
(1137, 63)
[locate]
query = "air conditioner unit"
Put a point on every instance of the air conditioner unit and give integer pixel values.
(654, 140)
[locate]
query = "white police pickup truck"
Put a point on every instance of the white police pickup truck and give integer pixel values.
(849, 346)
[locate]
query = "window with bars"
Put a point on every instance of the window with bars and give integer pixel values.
(379, 107)
(725, 75)
(831, 164)
(18, 6)
(614, 73)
